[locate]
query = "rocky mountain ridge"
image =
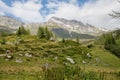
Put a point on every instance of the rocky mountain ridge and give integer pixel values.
(54, 23)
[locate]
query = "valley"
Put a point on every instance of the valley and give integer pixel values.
(52, 51)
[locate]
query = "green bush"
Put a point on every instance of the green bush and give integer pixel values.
(70, 72)
(90, 46)
(114, 49)
(3, 41)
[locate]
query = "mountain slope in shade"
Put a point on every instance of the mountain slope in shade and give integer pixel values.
(60, 32)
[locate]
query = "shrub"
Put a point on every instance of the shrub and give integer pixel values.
(3, 41)
(90, 46)
(114, 49)
(70, 72)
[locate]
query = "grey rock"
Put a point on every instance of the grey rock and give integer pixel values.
(70, 60)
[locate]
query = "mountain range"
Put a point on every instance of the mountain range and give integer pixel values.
(59, 26)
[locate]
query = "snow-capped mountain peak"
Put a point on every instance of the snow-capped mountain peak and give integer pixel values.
(76, 26)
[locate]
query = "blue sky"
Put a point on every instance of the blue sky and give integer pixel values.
(44, 4)
(94, 12)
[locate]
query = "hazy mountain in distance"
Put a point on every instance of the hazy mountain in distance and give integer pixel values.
(73, 28)
(8, 24)
(74, 25)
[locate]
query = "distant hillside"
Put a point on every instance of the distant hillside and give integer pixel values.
(66, 34)
(74, 26)
(60, 26)
(10, 22)
(4, 29)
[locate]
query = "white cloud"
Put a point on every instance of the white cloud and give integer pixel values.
(73, 1)
(67, 11)
(4, 8)
(2, 13)
(52, 5)
(28, 11)
(95, 13)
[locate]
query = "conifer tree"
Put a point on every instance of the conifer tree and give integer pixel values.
(63, 40)
(41, 32)
(47, 33)
(22, 31)
(77, 39)
(28, 32)
(110, 40)
(44, 33)
(19, 32)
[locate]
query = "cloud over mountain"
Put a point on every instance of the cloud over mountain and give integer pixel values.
(94, 12)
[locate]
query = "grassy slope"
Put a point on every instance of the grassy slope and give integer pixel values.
(107, 58)
(45, 51)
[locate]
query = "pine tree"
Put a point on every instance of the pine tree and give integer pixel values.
(63, 40)
(41, 32)
(44, 32)
(77, 39)
(28, 32)
(110, 40)
(47, 33)
(19, 32)
(22, 31)
(51, 34)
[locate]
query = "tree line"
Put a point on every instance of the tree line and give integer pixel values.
(43, 32)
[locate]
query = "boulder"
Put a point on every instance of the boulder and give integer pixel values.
(56, 58)
(8, 52)
(84, 62)
(88, 55)
(9, 57)
(70, 60)
(20, 54)
(52, 39)
(28, 55)
(19, 61)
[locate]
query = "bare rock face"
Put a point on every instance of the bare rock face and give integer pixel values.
(10, 22)
(74, 25)
(9, 25)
